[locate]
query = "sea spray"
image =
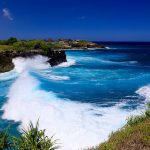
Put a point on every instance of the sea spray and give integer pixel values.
(144, 92)
(8, 75)
(69, 63)
(35, 62)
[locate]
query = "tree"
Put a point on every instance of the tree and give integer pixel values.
(11, 41)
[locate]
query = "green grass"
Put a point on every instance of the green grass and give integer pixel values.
(45, 45)
(135, 135)
(5, 47)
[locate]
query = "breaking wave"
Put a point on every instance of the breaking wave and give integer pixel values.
(8, 75)
(144, 92)
(36, 62)
(69, 63)
(76, 125)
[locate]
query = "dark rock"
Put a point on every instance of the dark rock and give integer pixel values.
(6, 63)
(57, 57)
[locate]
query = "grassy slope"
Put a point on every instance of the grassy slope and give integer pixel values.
(135, 135)
(5, 47)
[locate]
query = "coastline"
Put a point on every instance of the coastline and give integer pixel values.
(55, 57)
(53, 49)
(83, 49)
(92, 74)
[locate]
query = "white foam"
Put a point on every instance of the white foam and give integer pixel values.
(108, 47)
(53, 77)
(69, 63)
(36, 62)
(76, 125)
(118, 63)
(133, 62)
(103, 60)
(8, 75)
(39, 63)
(144, 92)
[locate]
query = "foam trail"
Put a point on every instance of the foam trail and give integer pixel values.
(47, 75)
(72, 61)
(54, 77)
(108, 47)
(76, 125)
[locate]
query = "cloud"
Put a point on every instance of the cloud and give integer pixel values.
(7, 14)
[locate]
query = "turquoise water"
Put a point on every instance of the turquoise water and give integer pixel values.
(80, 101)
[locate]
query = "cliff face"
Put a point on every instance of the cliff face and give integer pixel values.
(53, 49)
(5, 63)
(55, 57)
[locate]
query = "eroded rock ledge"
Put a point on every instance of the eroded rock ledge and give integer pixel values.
(53, 49)
(55, 57)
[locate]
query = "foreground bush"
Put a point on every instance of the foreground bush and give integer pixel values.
(5, 140)
(32, 138)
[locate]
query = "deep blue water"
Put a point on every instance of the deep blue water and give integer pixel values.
(101, 78)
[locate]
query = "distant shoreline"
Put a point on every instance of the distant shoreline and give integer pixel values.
(83, 49)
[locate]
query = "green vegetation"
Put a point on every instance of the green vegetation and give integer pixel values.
(80, 43)
(26, 45)
(135, 135)
(5, 140)
(14, 44)
(10, 41)
(5, 48)
(31, 139)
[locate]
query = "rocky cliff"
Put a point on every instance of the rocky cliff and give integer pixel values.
(55, 57)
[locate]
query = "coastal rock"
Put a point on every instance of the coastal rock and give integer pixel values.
(53, 49)
(6, 63)
(55, 57)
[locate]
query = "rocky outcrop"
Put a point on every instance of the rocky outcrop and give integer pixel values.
(55, 57)
(5, 63)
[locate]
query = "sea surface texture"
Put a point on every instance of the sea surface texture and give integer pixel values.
(81, 101)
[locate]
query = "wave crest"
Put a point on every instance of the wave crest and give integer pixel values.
(69, 63)
(144, 92)
(77, 125)
(36, 62)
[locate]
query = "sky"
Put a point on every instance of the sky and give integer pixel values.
(96, 20)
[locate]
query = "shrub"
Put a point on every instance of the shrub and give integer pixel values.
(5, 140)
(33, 138)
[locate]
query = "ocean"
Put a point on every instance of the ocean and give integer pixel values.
(80, 101)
